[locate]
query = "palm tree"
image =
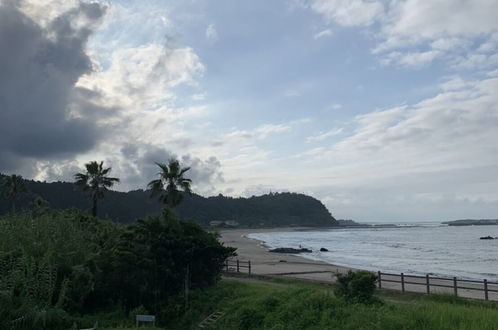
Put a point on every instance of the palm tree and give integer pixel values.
(96, 181)
(13, 188)
(171, 183)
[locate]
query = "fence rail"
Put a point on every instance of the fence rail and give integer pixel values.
(430, 282)
(238, 266)
(403, 282)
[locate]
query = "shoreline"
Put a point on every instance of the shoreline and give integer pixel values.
(285, 265)
(264, 262)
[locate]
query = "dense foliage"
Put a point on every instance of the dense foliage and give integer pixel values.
(274, 209)
(58, 265)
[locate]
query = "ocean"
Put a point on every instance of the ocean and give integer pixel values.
(425, 248)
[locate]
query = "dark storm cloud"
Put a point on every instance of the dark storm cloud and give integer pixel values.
(204, 173)
(42, 114)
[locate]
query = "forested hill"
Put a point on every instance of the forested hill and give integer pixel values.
(275, 209)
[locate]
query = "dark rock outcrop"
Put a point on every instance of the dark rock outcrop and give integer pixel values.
(324, 250)
(291, 250)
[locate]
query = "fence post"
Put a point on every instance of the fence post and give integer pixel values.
(237, 265)
(249, 263)
(226, 263)
(455, 288)
(402, 282)
(427, 283)
(380, 280)
(486, 289)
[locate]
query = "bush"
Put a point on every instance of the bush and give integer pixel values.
(158, 254)
(358, 287)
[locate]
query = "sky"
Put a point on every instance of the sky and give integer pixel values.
(383, 110)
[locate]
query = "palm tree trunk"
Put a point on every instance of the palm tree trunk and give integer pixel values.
(94, 207)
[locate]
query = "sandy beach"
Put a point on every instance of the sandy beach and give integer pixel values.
(264, 262)
(268, 263)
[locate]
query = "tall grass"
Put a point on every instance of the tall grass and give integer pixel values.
(44, 266)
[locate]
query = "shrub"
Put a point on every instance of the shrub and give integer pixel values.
(358, 287)
(158, 254)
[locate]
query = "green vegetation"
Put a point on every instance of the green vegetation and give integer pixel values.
(13, 187)
(357, 287)
(270, 210)
(95, 181)
(62, 267)
(257, 306)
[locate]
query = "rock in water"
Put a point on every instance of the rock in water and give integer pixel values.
(488, 237)
(324, 250)
(291, 250)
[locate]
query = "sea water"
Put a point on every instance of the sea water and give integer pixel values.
(430, 248)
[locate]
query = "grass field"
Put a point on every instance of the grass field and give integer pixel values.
(292, 305)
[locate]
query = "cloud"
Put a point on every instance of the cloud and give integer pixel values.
(323, 34)
(417, 32)
(68, 99)
(431, 160)
(44, 115)
(142, 158)
(324, 136)
(411, 59)
(349, 12)
(413, 148)
(415, 24)
(211, 33)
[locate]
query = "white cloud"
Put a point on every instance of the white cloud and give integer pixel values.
(349, 12)
(324, 136)
(323, 34)
(416, 32)
(445, 27)
(453, 130)
(489, 45)
(142, 77)
(414, 59)
(419, 20)
(258, 133)
(211, 33)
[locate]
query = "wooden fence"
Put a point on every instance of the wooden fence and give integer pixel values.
(475, 289)
(434, 284)
(238, 266)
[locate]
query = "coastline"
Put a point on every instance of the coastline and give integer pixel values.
(264, 262)
(285, 265)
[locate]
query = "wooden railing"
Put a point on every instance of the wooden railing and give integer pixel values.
(454, 284)
(237, 266)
